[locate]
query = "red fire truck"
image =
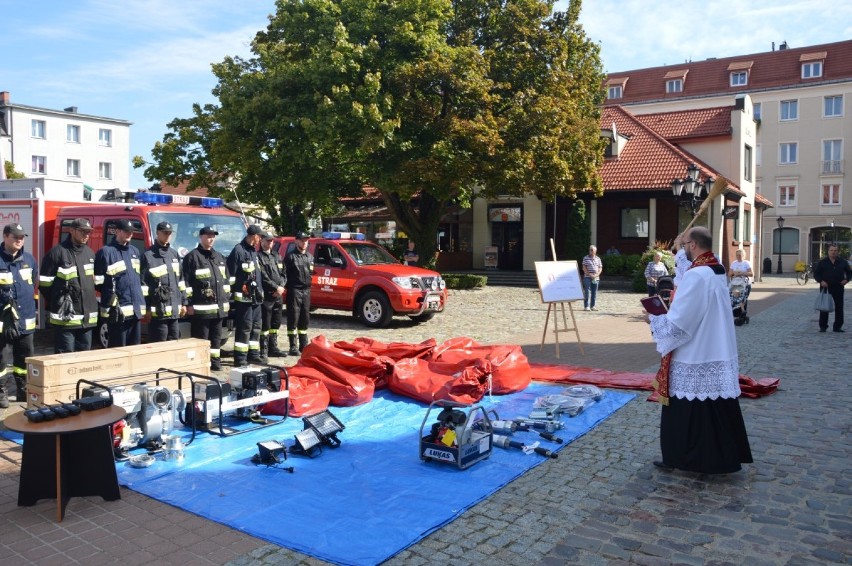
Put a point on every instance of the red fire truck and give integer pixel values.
(46, 209)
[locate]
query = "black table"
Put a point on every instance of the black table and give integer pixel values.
(65, 458)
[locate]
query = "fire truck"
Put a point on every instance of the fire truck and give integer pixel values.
(46, 208)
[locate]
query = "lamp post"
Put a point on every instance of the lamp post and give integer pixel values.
(833, 232)
(690, 191)
(780, 221)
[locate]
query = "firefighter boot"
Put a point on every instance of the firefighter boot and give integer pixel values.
(4, 398)
(303, 341)
(261, 357)
(272, 347)
(294, 351)
(21, 391)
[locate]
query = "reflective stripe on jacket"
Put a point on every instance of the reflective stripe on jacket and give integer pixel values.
(70, 269)
(122, 286)
(18, 280)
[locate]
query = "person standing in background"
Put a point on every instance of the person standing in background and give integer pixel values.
(122, 292)
(411, 257)
(654, 270)
(832, 274)
(742, 268)
(67, 283)
(298, 268)
(592, 270)
(166, 299)
(272, 309)
(18, 283)
(208, 293)
(248, 296)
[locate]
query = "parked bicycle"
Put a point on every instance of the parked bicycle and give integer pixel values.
(803, 276)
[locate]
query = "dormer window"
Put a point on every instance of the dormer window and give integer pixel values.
(812, 64)
(615, 87)
(739, 72)
(675, 80)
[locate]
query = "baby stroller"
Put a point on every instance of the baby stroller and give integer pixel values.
(665, 289)
(739, 290)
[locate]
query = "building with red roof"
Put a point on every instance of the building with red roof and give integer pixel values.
(802, 115)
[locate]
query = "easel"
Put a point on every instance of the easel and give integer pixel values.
(559, 283)
(552, 307)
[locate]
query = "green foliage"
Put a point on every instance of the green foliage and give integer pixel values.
(614, 264)
(464, 280)
(578, 232)
(431, 102)
(10, 171)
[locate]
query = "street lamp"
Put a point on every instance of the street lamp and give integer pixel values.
(780, 221)
(833, 232)
(690, 191)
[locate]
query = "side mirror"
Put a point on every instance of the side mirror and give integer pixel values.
(336, 262)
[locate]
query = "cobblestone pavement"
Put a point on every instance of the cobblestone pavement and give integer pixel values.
(601, 502)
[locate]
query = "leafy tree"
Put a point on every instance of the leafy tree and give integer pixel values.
(578, 233)
(10, 171)
(432, 102)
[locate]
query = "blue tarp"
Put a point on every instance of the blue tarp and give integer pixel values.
(357, 504)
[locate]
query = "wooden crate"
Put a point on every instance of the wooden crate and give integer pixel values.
(58, 370)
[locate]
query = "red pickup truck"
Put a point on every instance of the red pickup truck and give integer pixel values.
(352, 274)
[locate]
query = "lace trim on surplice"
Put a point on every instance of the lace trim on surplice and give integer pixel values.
(705, 380)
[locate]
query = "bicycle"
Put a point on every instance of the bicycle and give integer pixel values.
(803, 276)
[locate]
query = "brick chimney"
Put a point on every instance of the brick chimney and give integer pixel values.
(4, 98)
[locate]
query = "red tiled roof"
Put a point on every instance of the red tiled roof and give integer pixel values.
(699, 123)
(760, 199)
(181, 190)
(647, 161)
(769, 70)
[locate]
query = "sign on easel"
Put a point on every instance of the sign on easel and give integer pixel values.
(559, 283)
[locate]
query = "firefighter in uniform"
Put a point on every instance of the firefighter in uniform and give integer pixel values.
(298, 267)
(122, 293)
(208, 293)
(18, 277)
(247, 289)
(67, 283)
(161, 273)
(274, 280)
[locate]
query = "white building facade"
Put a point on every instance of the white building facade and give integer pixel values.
(65, 145)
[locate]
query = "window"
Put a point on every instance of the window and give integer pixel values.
(105, 170)
(785, 241)
(747, 163)
(614, 91)
(746, 225)
(787, 195)
(39, 129)
(324, 253)
(674, 85)
(757, 109)
(72, 134)
(788, 153)
(137, 238)
(39, 164)
(789, 110)
(832, 157)
(72, 168)
(812, 70)
(634, 222)
(739, 78)
(833, 106)
(831, 195)
(105, 137)
(757, 155)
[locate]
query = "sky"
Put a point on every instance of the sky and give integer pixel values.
(148, 61)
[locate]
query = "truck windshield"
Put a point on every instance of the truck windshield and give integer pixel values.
(185, 228)
(368, 254)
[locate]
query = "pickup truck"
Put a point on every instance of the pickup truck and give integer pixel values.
(354, 275)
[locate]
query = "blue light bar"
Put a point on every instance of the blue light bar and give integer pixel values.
(211, 202)
(343, 236)
(152, 198)
(163, 198)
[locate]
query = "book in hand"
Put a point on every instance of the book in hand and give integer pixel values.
(654, 305)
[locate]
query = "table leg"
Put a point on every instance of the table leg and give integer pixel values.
(60, 501)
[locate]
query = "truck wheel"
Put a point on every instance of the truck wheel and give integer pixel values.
(374, 309)
(423, 317)
(102, 337)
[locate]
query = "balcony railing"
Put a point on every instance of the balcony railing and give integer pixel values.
(832, 167)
